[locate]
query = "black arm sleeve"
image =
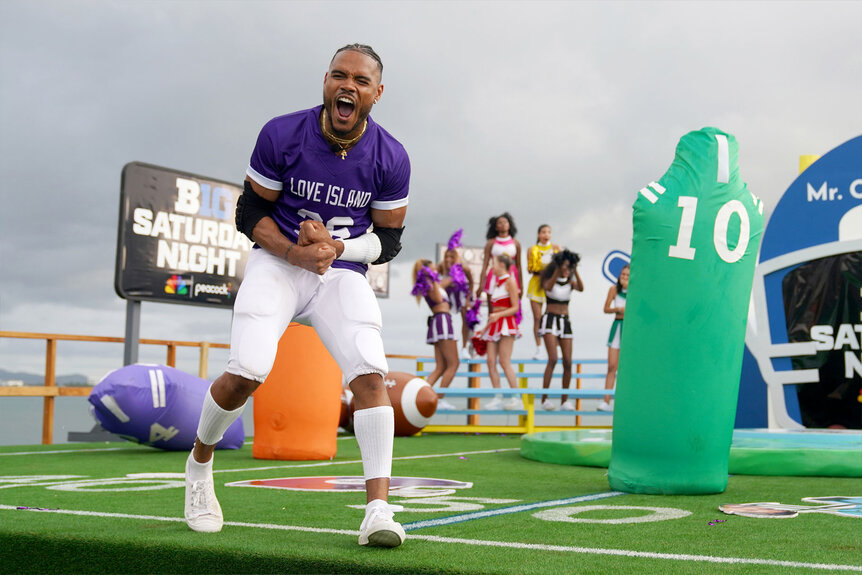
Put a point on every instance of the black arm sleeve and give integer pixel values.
(390, 243)
(250, 209)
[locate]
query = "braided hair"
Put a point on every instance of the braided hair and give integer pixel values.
(363, 49)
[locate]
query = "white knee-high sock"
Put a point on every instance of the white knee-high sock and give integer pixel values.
(215, 420)
(375, 431)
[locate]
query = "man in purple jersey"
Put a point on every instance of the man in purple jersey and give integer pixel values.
(325, 195)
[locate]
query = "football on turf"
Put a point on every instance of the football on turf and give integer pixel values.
(413, 401)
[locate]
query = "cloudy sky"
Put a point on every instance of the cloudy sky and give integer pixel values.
(557, 112)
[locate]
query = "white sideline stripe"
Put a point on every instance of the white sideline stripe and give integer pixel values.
(131, 446)
(55, 451)
(478, 542)
(508, 510)
(328, 463)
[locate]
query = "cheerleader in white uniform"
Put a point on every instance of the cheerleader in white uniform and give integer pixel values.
(559, 279)
(615, 304)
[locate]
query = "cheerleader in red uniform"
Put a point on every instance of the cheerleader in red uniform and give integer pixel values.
(502, 329)
(501, 241)
(441, 335)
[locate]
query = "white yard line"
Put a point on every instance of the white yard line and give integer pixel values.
(359, 461)
(66, 451)
(483, 543)
(507, 510)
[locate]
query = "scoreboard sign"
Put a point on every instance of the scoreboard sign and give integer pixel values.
(177, 241)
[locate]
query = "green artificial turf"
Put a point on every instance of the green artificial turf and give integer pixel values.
(516, 542)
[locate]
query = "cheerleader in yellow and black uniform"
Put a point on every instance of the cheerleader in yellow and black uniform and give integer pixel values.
(538, 257)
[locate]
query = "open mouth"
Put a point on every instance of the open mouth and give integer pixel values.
(344, 108)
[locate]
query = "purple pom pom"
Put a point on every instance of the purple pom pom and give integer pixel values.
(472, 315)
(459, 280)
(455, 240)
(425, 280)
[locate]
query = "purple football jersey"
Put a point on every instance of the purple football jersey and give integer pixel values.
(291, 155)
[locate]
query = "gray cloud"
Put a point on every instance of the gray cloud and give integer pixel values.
(557, 112)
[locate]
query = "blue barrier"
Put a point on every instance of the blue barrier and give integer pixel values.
(527, 415)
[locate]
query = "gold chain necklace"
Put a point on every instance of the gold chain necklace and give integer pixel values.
(342, 143)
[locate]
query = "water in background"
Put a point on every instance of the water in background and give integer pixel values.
(21, 419)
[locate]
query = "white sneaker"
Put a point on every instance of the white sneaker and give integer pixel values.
(203, 512)
(443, 404)
(549, 405)
(605, 406)
(378, 529)
(465, 353)
(513, 403)
(568, 406)
(540, 353)
(495, 403)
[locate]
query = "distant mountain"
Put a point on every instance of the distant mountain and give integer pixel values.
(39, 379)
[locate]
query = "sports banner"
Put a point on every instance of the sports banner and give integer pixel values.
(808, 298)
(177, 241)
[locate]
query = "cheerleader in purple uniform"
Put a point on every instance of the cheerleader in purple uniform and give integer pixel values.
(459, 288)
(441, 335)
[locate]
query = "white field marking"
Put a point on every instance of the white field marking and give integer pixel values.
(328, 463)
(477, 542)
(507, 510)
(63, 451)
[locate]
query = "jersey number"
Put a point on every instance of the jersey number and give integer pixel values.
(337, 233)
(682, 248)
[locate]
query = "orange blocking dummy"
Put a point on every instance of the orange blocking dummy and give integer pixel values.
(296, 409)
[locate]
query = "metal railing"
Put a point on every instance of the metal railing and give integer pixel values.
(49, 390)
(526, 415)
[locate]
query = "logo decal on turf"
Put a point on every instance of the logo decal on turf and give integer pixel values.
(400, 486)
(844, 506)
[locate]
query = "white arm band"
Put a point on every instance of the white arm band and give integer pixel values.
(364, 249)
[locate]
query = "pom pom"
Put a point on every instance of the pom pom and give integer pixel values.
(455, 240)
(425, 280)
(472, 315)
(479, 344)
(459, 280)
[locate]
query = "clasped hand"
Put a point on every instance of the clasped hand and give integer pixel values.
(314, 250)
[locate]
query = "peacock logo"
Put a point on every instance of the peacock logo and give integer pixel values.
(177, 285)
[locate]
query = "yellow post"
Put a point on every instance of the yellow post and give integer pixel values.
(172, 355)
(473, 402)
(50, 381)
(528, 404)
(204, 361)
(578, 400)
